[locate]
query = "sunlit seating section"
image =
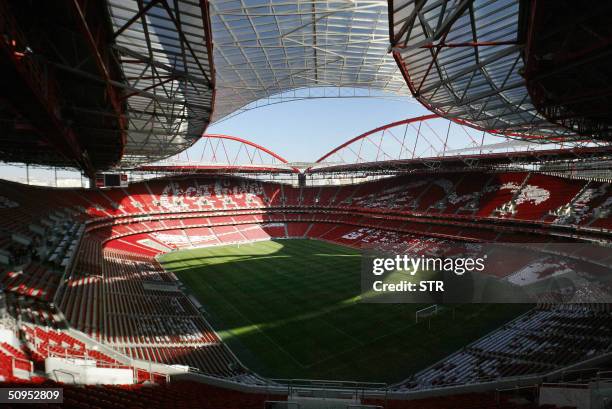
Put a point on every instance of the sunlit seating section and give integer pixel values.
(43, 343)
(499, 191)
(543, 194)
(200, 194)
(467, 193)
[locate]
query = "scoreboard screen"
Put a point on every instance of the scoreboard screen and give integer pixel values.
(111, 180)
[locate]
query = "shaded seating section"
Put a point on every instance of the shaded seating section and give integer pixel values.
(33, 311)
(80, 295)
(291, 196)
(484, 400)
(540, 341)
(35, 280)
(593, 199)
(129, 302)
(344, 195)
(467, 193)
(544, 194)
(187, 395)
(297, 229)
(601, 206)
(213, 360)
(326, 195)
(37, 242)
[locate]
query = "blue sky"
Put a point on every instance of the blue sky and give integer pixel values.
(305, 130)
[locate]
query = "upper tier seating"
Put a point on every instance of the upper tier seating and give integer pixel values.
(520, 195)
(517, 196)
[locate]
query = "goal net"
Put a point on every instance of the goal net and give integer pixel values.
(423, 313)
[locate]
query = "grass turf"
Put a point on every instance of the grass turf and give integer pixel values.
(290, 309)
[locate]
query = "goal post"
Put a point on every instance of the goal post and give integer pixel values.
(425, 312)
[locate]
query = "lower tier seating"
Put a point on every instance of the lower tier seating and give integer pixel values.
(540, 341)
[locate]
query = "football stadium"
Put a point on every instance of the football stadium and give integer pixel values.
(156, 251)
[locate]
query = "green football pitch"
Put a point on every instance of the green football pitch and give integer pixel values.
(291, 309)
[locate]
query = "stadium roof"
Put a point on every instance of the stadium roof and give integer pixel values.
(265, 47)
(463, 59)
(59, 104)
(161, 84)
(568, 64)
(261, 49)
(164, 50)
(141, 80)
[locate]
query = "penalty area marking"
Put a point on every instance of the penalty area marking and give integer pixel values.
(370, 342)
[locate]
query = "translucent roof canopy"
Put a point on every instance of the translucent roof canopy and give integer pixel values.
(163, 49)
(266, 47)
(464, 60)
(261, 49)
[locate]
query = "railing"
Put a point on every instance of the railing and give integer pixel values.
(16, 359)
(604, 375)
(57, 299)
(61, 371)
(320, 388)
(516, 390)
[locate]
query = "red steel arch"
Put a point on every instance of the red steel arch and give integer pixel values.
(229, 152)
(245, 142)
(373, 131)
(438, 139)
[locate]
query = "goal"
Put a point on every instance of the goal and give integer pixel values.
(425, 312)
